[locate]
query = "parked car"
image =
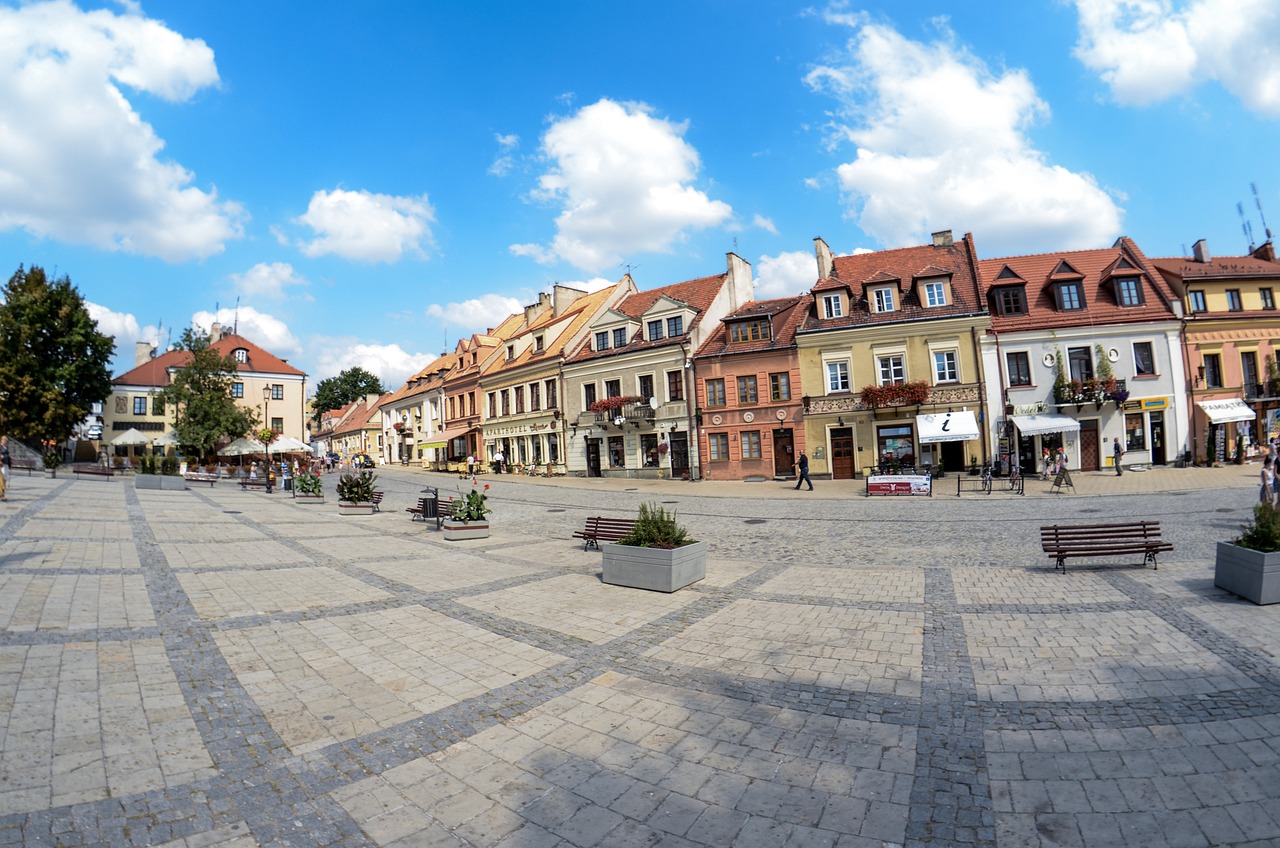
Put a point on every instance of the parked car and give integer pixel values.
(93, 431)
(362, 460)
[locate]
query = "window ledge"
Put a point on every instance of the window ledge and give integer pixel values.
(1145, 377)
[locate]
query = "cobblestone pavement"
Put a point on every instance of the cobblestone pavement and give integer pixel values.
(227, 668)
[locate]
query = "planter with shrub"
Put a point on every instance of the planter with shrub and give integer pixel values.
(1250, 566)
(355, 493)
(159, 473)
(657, 555)
(470, 516)
(307, 488)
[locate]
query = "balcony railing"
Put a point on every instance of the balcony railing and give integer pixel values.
(1080, 392)
(633, 412)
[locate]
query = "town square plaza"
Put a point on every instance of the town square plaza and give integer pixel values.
(217, 667)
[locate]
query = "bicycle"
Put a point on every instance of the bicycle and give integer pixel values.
(1015, 477)
(986, 479)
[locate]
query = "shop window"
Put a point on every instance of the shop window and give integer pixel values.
(617, 457)
(894, 444)
(1144, 360)
(747, 389)
(718, 447)
(837, 376)
(780, 386)
(1135, 433)
(649, 449)
(553, 450)
(751, 445)
(1019, 368)
(1213, 370)
(715, 393)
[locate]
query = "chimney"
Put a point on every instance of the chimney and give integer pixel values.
(142, 352)
(563, 297)
(823, 254)
(741, 286)
(1265, 251)
(942, 238)
(533, 310)
(215, 332)
(1201, 251)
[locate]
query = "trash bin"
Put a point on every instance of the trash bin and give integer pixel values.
(431, 503)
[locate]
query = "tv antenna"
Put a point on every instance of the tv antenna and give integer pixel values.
(629, 267)
(1245, 227)
(1261, 214)
(235, 325)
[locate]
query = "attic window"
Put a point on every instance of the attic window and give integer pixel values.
(749, 331)
(620, 337)
(602, 341)
(537, 343)
(935, 293)
(1011, 300)
(655, 330)
(1069, 295)
(511, 351)
(883, 299)
(240, 354)
(832, 306)
(1128, 291)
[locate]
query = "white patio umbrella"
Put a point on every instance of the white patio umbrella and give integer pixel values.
(132, 436)
(288, 444)
(165, 440)
(243, 446)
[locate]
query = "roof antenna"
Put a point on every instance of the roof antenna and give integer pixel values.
(629, 267)
(235, 325)
(1244, 227)
(1258, 200)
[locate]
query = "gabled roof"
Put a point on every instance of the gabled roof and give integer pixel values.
(786, 315)
(155, 372)
(576, 317)
(697, 294)
(1094, 270)
(956, 260)
(1221, 268)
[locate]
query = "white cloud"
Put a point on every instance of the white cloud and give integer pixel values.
(1150, 50)
(505, 161)
(267, 280)
(623, 180)
(929, 161)
(266, 331)
(785, 275)
(367, 227)
(475, 315)
(77, 162)
(390, 363)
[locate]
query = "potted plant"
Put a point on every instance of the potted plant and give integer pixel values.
(355, 493)
(470, 516)
(52, 459)
(159, 473)
(657, 554)
(1249, 566)
(307, 488)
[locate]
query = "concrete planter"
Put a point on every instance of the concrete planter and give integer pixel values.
(657, 569)
(1251, 574)
(165, 482)
(457, 531)
(349, 508)
(308, 499)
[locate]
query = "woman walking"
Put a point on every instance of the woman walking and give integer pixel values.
(1266, 494)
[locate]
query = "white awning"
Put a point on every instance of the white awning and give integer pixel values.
(1224, 411)
(1046, 422)
(947, 427)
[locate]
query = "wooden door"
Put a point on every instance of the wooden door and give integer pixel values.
(1090, 459)
(843, 466)
(784, 453)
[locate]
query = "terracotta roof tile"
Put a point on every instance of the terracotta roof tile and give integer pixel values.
(787, 315)
(155, 371)
(697, 294)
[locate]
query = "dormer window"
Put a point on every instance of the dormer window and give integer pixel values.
(511, 352)
(1128, 291)
(883, 299)
(538, 344)
(675, 326)
(602, 341)
(935, 293)
(832, 306)
(240, 354)
(1011, 300)
(620, 337)
(749, 331)
(655, 330)
(1069, 295)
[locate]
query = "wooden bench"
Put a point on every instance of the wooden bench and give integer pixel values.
(377, 501)
(1070, 541)
(601, 529)
(444, 509)
(93, 470)
(27, 466)
(259, 483)
(195, 477)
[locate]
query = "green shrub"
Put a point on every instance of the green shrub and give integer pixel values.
(472, 507)
(169, 466)
(357, 488)
(656, 528)
(308, 484)
(1263, 534)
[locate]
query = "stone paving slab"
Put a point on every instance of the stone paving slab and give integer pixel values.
(221, 668)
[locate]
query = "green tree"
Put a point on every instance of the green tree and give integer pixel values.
(200, 394)
(337, 392)
(54, 364)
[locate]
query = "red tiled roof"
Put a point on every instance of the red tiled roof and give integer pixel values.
(154, 372)
(697, 294)
(786, 314)
(906, 265)
(1226, 267)
(1036, 273)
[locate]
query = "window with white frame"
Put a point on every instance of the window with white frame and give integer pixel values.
(620, 337)
(883, 299)
(832, 306)
(838, 376)
(675, 326)
(602, 341)
(945, 369)
(893, 369)
(935, 293)
(655, 330)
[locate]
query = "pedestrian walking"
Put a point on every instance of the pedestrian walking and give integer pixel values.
(5, 462)
(1047, 464)
(802, 472)
(1117, 454)
(471, 465)
(1266, 494)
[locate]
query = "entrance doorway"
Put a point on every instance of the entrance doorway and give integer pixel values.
(1090, 459)
(593, 457)
(784, 453)
(843, 466)
(1158, 456)
(679, 456)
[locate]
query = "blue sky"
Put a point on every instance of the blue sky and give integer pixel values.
(364, 183)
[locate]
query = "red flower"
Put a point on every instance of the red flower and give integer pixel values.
(486, 487)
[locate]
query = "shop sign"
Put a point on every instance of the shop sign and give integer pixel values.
(900, 484)
(1149, 404)
(1036, 408)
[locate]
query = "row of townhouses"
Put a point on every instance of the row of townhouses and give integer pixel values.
(923, 356)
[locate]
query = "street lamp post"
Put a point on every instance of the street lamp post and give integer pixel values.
(266, 423)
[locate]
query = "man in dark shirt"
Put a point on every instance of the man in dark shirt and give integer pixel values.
(802, 467)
